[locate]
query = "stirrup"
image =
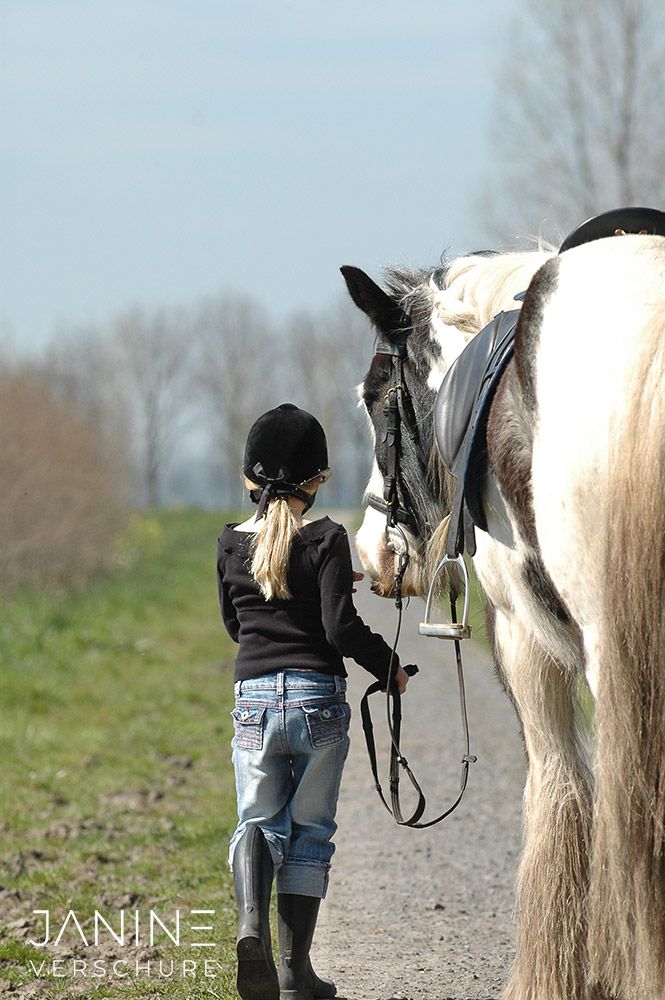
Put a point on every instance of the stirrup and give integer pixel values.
(447, 630)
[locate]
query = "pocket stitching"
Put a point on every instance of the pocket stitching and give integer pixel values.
(248, 728)
(326, 730)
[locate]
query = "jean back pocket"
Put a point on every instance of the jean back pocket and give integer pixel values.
(327, 724)
(248, 727)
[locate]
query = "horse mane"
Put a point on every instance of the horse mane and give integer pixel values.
(413, 289)
(477, 287)
(466, 292)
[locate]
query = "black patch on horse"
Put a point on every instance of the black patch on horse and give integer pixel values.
(509, 445)
(539, 583)
(512, 414)
(527, 335)
(376, 380)
(510, 435)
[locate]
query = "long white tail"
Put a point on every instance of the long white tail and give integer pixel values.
(627, 892)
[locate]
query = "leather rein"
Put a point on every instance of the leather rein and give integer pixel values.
(399, 414)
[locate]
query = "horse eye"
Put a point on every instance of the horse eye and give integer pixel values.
(376, 381)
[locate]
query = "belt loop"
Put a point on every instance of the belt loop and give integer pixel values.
(281, 678)
(237, 687)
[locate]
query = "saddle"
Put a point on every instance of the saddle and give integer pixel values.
(461, 413)
(464, 399)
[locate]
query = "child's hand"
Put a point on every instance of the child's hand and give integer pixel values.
(357, 577)
(401, 679)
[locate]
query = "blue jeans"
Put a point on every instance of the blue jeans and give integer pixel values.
(291, 739)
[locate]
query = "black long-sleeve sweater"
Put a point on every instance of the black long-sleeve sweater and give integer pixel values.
(313, 630)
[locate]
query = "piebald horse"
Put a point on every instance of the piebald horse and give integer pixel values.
(572, 566)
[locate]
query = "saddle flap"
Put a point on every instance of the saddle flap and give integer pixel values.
(467, 388)
(461, 413)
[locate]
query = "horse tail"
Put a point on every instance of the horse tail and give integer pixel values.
(627, 887)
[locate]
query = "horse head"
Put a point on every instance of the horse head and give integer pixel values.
(401, 319)
(422, 321)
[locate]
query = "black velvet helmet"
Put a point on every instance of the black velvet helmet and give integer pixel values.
(286, 447)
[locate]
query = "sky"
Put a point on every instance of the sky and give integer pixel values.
(155, 152)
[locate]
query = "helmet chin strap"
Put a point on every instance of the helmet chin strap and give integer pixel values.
(262, 497)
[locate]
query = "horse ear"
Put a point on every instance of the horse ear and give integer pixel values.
(386, 315)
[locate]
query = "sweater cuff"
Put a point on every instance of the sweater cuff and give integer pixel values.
(381, 673)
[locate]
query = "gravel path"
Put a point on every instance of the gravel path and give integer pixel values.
(426, 913)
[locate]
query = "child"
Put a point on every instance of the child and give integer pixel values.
(285, 587)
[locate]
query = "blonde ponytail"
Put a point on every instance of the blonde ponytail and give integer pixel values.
(271, 549)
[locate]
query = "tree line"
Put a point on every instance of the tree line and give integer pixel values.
(577, 127)
(178, 389)
(153, 409)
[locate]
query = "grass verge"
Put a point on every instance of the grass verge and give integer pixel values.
(116, 783)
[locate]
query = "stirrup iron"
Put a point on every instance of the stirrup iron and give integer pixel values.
(447, 630)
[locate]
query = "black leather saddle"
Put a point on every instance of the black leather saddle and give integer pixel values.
(461, 413)
(464, 399)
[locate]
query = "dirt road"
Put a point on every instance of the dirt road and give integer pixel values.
(426, 913)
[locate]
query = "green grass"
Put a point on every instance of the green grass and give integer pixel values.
(477, 602)
(116, 783)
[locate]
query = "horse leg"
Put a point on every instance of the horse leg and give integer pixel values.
(552, 882)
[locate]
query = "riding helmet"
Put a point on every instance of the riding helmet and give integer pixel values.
(285, 448)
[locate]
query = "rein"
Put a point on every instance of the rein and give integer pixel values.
(398, 411)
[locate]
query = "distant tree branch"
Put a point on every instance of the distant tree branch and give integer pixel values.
(578, 125)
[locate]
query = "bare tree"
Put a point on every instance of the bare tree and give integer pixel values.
(154, 354)
(238, 375)
(329, 353)
(579, 124)
(315, 361)
(81, 371)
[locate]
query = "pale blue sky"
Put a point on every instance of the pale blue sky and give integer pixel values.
(156, 151)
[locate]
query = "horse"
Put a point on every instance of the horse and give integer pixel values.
(572, 568)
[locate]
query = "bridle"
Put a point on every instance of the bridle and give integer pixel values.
(399, 414)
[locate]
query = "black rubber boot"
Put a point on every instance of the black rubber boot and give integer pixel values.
(253, 874)
(297, 922)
